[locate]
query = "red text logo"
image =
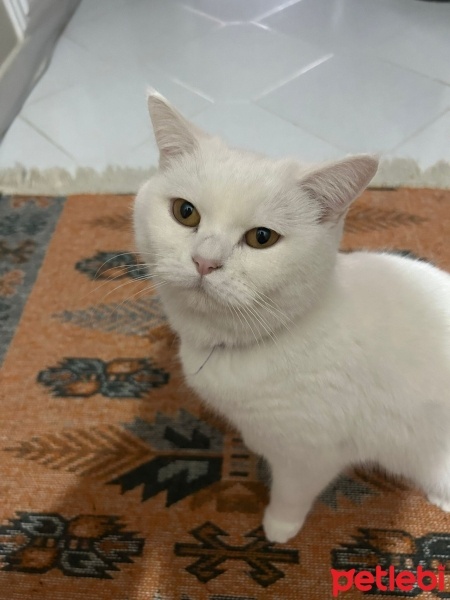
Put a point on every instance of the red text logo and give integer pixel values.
(387, 580)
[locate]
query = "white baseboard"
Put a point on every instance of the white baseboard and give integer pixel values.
(397, 172)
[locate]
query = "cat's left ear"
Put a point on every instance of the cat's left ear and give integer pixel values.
(174, 134)
(337, 184)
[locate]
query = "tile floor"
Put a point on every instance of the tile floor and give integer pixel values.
(312, 78)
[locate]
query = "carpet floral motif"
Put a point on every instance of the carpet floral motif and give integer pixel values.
(84, 546)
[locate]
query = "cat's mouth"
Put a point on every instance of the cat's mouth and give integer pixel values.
(204, 287)
(216, 292)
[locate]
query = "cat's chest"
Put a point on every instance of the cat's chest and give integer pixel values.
(230, 378)
(262, 392)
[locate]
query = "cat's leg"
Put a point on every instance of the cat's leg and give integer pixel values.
(294, 488)
(436, 485)
(429, 468)
(440, 500)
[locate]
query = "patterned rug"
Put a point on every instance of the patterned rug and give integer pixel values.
(116, 483)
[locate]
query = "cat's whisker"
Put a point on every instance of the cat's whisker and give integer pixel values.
(138, 294)
(113, 258)
(127, 268)
(131, 268)
(129, 252)
(109, 280)
(99, 287)
(152, 287)
(234, 310)
(159, 285)
(240, 312)
(264, 296)
(150, 253)
(109, 260)
(262, 322)
(268, 301)
(148, 276)
(266, 311)
(123, 285)
(138, 253)
(278, 317)
(273, 309)
(120, 276)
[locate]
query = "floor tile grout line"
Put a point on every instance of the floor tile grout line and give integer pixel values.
(88, 19)
(300, 127)
(265, 27)
(217, 22)
(409, 69)
(302, 71)
(99, 59)
(155, 63)
(196, 11)
(192, 89)
(48, 139)
(420, 130)
(381, 153)
(174, 79)
(45, 96)
(370, 52)
(263, 108)
(384, 152)
(276, 10)
(85, 48)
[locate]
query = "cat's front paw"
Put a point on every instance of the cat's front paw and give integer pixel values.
(278, 530)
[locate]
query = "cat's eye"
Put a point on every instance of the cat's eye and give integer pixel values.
(261, 237)
(185, 212)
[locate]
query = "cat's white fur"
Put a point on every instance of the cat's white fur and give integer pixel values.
(321, 359)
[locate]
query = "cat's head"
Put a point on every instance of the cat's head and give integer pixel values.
(237, 242)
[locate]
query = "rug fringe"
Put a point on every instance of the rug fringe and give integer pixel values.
(397, 172)
(113, 180)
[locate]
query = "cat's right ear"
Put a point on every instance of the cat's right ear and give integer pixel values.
(174, 134)
(335, 185)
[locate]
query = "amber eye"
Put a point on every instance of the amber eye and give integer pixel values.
(185, 212)
(261, 237)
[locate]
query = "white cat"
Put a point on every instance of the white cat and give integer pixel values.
(320, 359)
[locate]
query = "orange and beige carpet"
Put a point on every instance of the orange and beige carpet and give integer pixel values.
(115, 482)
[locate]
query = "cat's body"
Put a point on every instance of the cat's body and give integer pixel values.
(320, 359)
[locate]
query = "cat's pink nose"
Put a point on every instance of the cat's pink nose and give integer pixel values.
(205, 266)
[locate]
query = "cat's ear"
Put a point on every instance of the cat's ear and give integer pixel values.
(337, 184)
(174, 134)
